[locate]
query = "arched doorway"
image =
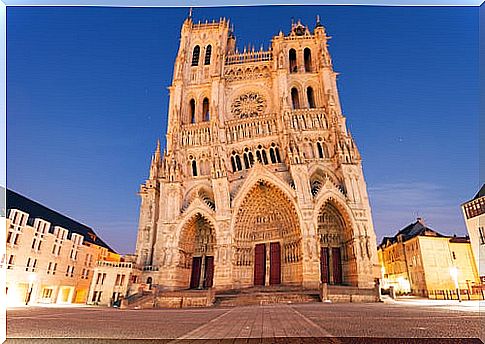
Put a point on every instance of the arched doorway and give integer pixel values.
(196, 252)
(267, 239)
(337, 261)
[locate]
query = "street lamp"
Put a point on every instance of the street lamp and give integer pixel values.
(32, 278)
(454, 276)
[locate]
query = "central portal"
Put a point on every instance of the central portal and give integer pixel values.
(267, 242)
(260, 263)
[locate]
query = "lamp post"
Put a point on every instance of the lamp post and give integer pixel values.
(454, 276)
(32, 278)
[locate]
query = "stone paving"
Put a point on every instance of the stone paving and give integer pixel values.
(261, 323)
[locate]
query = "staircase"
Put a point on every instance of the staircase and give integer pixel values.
(266, 296)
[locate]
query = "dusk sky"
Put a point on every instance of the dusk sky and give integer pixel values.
(87, 100)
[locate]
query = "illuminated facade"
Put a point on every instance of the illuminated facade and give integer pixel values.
(474, 214)
(421, 261)
(49, 258)
(260, 182)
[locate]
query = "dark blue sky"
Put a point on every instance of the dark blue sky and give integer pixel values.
(87, 99)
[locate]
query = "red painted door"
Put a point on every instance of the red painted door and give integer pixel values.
(195, 277)
(324, 268)
(275, 263)
(209, 272)
(259, 264)
(336, 265)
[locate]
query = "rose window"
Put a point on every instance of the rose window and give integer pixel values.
(249, 105)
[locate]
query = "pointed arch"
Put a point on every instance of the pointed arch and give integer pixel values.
(267, 215)
(195, 55)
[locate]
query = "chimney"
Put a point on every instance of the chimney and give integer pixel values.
(420, 220)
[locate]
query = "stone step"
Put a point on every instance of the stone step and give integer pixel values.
(265, 298)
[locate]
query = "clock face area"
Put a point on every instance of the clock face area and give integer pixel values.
(249, 104)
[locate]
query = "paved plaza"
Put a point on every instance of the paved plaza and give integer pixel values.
(391, 320)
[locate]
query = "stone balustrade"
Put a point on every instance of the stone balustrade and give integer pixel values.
(250, 128)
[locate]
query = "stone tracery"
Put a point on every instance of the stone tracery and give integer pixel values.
(267, 215)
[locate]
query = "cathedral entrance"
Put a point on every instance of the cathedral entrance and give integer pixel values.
(196, 251)
(334, 246)
(260, 263)
(267, 239)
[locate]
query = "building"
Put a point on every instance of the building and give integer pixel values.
(113, 281)
(474, 213)
(49, 257)
(260, 182)
(423, 262)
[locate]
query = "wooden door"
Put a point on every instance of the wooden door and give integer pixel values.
(209, 272)
(259, 264)
(275, 263)
(195, 277)
(336, 265)
(324, 268)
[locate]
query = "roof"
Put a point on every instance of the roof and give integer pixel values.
(415, 229)
(37, 210)
(481, 192)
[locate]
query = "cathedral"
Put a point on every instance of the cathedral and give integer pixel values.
(260, 183)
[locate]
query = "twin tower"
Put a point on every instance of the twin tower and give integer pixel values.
(260, 183)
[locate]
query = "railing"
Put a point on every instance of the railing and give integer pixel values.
(198, 134)
(104, 263)
(308, 119)
(150, 268)
(250, 128)
(465, 294)
(250, 56)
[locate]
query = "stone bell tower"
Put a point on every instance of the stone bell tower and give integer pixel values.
(260, 182)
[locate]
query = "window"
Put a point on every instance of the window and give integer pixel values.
(195, 56)
(205, 109)
(481, 234)
(194, 168)
(310, 97)
(192, 110)
(47, 293)
(236, 162)
(208, 51)
(274, 154)
(292, 58)
(31, 264)
(307, 55)
(10, 262)
(70, 271)
(295, 100)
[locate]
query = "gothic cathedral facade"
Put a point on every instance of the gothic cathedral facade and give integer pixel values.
(260, 182)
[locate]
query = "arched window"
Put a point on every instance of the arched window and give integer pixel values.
(149, 280)
(194, 168)
(310, 97)
(294, 98)
(208, 51)
(233, 164)
(251, 158)
(192, 111)
(195, 56)
(258, 156)
(246, 161)
(292, 58)
(320, 150)
(307, 56)
(205, 109)
(272, 155)
(278, 157)
(238, 163)
(265, 157)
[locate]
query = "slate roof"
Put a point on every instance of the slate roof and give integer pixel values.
(37, 210)
(481, 192)
(417, 228)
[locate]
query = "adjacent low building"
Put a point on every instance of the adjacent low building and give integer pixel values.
(474, 213)
(421, 261)
(49, 258)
